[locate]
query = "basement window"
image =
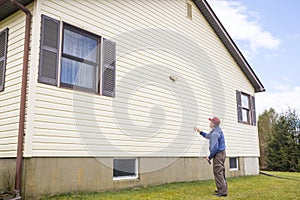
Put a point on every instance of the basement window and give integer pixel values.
(125, 168)
(233, 164)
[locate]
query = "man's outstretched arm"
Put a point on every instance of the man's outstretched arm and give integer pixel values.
(205, 135)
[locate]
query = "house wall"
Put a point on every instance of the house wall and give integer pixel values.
(66, 129)
(7, 174)
(154, 40)
(10, 97)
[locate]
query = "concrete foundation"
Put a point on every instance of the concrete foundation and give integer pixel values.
(51, 176)
(7, 174)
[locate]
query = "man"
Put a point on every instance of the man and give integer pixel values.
(217, 152)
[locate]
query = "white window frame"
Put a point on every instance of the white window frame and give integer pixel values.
(66, 26)
(249, 117)
(237, 164)
(136, 176)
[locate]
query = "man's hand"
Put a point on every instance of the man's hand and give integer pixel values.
(197, 129)
(208, 160)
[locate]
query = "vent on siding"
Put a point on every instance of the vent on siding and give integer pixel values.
(108, 68)
(3, 51)
(49, 50)
(189, 10)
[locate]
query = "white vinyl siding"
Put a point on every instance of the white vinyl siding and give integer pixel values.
(74, 123)
(10, 97)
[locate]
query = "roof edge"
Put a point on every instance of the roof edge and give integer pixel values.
(7, 8)
(230, 45)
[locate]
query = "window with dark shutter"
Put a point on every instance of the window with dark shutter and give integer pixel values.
(108, 67)
(80, 59)
(49, 50)
(246, 108)
(3, 52)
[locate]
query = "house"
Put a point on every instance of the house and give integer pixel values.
(99, 95)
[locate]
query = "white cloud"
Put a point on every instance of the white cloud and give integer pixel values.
(280, 100)
(285, 84)
(294, 36)
(244, 25)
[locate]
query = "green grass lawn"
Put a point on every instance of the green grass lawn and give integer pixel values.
(248, 188)
(287, 175)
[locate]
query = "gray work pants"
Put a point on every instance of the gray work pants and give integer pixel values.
(219, 172)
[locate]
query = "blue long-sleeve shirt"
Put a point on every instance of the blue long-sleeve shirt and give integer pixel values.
(216, 141)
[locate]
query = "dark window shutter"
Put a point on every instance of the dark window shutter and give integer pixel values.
(239, 106)
(3, 52)
(108, 68)
(253, 111)
(49, 50)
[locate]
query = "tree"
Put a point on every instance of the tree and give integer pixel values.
(266, 121)
(283, 151)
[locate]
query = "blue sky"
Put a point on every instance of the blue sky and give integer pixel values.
(268, 34)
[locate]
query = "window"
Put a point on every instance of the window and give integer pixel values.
(125, 169)
(74, 58)
(233, 164)
(80, 60)
(189, 10)
(3, 52)
(246, 108)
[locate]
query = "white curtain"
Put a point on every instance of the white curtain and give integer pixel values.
(73, 71)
